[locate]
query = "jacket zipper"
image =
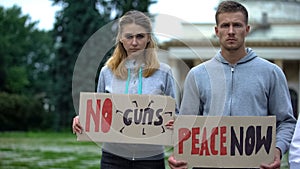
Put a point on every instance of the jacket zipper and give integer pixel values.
(231, 91)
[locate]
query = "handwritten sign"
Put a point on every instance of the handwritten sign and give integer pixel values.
(122, 118)
(237, 142)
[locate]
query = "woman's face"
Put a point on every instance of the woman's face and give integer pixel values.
(134, 38)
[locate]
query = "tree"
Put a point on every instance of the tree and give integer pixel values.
(25, 58)
(24, 53)
(122, 6)
(13, 43)
(75, 24)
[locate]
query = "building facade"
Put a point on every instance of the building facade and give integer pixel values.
(274, 35)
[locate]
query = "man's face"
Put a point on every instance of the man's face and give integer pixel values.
(232, 31)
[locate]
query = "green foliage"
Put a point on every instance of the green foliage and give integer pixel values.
(16, 79)
(22, 113)
(39, 60)
(14, 40)
(25, 53)
(122, 6)
(75, 23)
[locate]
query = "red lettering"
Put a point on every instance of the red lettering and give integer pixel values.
(223, 149)
(90, 112)
(200, 144)
(214, 132)
(106, 116)
(195, 141)
(183, 135)
(204, 144)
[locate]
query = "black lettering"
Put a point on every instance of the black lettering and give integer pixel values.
(235, 142)
(160, 119)
(250, 140)
(148, 112)
(138, 116)
(265, 140)
(127, 121)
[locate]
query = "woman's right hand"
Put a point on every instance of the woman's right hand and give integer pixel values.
(76, 127)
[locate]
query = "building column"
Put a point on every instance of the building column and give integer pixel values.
(176, 74)
(279, 62)
(197, 62)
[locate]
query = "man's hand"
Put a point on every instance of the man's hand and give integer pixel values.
(177, 164)
(276, 163)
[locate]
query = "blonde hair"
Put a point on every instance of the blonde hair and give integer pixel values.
(117, 61)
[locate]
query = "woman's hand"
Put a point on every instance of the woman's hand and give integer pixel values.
(76, 127)
(170, 124)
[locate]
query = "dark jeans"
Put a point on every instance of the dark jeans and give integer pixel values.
(111, 161)
(225, 168)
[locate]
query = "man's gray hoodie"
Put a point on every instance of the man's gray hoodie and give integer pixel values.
(251, 87)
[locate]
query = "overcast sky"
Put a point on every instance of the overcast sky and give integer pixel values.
(188, 10)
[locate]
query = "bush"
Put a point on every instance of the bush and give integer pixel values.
(22, 113)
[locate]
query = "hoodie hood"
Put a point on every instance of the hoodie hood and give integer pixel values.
(250, 55)
(133, 64)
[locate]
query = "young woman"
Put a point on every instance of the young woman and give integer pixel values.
(133, 69)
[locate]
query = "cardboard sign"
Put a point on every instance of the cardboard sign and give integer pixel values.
(233, 142)
(123, 118)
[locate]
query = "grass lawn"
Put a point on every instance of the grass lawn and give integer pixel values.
(44, 150)
(47, 150)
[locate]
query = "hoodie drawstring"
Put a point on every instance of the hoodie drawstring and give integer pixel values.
(140, 81)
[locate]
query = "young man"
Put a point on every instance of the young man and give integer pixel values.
(236, 82)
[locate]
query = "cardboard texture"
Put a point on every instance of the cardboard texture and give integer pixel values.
(220, 142)
(123, 118)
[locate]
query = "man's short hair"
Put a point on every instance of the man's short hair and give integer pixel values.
(231, 6)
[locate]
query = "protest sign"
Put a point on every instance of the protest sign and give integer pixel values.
(125, 118)
(224, 141)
